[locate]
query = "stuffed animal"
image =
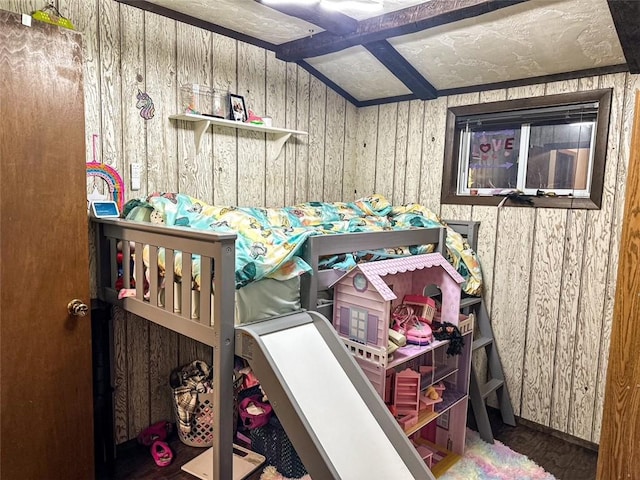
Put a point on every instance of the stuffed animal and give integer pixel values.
(270, 473)
(432, 393)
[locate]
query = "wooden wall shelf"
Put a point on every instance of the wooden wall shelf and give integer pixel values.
(277, 135)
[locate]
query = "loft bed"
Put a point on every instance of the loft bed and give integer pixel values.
(192, 311)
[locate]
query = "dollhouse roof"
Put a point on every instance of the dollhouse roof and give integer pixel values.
(374, 271)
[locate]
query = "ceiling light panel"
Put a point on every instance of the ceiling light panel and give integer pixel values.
(388, 6)
(346, 6)
(300, 3)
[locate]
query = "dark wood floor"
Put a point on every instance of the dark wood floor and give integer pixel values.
(564, 459)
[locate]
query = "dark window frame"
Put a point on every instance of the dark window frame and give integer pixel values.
(449, 193)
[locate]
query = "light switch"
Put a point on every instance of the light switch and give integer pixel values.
(136, 173)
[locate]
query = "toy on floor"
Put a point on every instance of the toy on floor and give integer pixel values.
(253, 412)
(154, 436)
(157, 431)
(161, 453)
(270, 473)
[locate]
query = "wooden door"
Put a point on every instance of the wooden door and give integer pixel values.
(46, 410)
(620, 440)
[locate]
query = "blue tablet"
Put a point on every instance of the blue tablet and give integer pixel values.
(105, 209)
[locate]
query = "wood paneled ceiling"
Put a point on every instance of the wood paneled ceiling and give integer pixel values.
(417, 49)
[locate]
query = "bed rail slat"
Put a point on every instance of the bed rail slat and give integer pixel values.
(468, 229)
(153, 275)
(126, 264)
(113, 252)
(139, 264)
(169, 259)
(105, 278)
(205, 290)
(185, 304)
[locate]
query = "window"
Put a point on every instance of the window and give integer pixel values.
(358, 325)
(549, 151)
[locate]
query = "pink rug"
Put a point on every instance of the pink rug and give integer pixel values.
(483, 461)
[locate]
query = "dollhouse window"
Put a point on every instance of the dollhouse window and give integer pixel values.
(360, 282)
(358, 325)
(543, 152)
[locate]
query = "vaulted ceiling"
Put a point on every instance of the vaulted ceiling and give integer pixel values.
(422, 49)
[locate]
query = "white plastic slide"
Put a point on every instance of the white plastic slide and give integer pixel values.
(337, 423)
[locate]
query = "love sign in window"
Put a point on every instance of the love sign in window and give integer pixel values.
(493, 159)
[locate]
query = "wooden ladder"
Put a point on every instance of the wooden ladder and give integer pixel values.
(479, 388)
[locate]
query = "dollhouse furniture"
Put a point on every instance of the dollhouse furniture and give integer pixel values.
(415, 380)
(407, 393)
(427, 305)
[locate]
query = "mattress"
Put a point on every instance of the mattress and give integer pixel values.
(256, 301)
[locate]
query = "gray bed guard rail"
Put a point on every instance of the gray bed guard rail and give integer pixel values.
(130, 238)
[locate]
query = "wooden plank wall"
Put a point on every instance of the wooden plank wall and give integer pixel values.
(550, 274)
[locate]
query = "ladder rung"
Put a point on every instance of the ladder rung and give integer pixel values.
(491, 386)
(469, 301)
(482, 342)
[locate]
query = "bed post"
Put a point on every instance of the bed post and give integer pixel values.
(442, 243)
(223, 355)
(309, 281)
(103, 266)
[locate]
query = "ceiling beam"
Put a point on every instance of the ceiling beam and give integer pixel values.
(196, 22)
(401, 22)
(402, 69)
(521, 82)
(625, 15)
(334, 22)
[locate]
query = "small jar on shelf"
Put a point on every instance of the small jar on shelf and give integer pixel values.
(197, 99)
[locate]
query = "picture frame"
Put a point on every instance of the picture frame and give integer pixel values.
(237, 108)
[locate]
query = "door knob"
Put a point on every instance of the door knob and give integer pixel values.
(77, 308)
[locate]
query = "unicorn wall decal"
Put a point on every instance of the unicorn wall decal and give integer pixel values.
(145, 104)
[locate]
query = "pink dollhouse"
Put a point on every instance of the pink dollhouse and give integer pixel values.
(365, 297)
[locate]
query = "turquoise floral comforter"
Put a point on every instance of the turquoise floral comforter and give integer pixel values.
(268, 239)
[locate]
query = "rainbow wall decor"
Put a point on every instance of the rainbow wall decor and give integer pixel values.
(112, 179)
